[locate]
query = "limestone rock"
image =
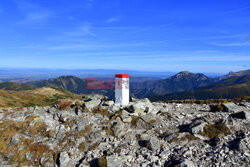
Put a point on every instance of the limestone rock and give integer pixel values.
(15, 139)
(142, 134)
(187, 163)
(154, 144)
(64, 159)
(113, 161)
(232, 107)
(125, 116)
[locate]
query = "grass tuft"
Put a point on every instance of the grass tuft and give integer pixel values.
(64, 104)
(215, 130)
(102, 162)
(103, 112)
(134, 120)
(217, 107)
(82, 147)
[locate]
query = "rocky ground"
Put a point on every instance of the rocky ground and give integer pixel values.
(96, 132)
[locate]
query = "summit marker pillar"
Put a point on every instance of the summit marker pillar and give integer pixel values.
(122, 89)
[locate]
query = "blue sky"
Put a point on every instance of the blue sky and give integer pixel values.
(146, 35)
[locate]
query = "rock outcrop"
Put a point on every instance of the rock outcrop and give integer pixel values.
(96, 132)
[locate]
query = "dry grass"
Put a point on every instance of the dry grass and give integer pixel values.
(215, 130)
(210, 101)
(64, 104)
(41, 97)
(7, 130)
(152, 121)
(109, 132)
(102, 162)
(39, 149)
(46, 91)
(20, 155)
(117, 150)
(25, 145)
(217, 107)
(39, 127)
(31, 118)
(103, 112)
(188, 137)
(10, 128)
(51, 133)
(86, 131)
(93, 146)
(134, 121)
(82, 147)
(9, 150)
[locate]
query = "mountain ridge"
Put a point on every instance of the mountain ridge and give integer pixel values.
(184, 82)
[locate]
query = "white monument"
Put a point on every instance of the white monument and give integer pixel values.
(122, 89)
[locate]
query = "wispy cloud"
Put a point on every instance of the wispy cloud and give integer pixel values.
(85, 30)
(232, 44)
(248, 38)
(35, 17)
(33, 12)
(206, 51)
(158, 27)
(179, 58)
(111, 20)
(213, 37)
(234, 10)
(95, 46)
(89, 3)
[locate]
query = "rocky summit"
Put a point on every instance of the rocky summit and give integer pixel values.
(94, 131)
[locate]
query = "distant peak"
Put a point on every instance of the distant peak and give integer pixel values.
(184, 72)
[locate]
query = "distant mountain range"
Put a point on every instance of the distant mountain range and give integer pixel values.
(8, 74)
(229, 88)
(234, 74)
(182, 81)
(184, 85)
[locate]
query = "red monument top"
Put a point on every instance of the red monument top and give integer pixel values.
(121, 75)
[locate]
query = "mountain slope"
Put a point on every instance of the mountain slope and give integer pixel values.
(182, 81)
(234, 80)
(192, 84)
(70, 83)
(224, 91)
(234, 74)
(16, 86)
(41, 97)
(74, 85)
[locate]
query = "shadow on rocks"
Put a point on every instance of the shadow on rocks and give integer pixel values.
(235, 144)
(94, 163)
